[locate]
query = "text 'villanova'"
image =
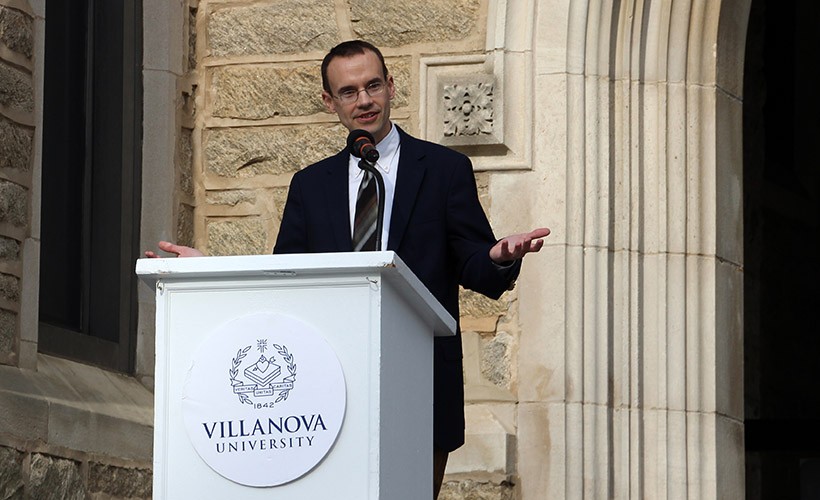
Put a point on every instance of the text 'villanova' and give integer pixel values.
(259, 427)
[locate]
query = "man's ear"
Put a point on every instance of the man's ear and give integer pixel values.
(391, 87)
(330, 104)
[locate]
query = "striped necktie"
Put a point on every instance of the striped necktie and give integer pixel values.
(364, 224)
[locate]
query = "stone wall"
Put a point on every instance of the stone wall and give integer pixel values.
(16, 149)
(257, 99)
(44, 477)
(73, 431)
(67, 431)
(256, 117)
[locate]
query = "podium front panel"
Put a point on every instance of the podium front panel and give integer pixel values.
(377, 340)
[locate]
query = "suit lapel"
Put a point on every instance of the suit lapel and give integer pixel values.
(408, 181)
(338, 207)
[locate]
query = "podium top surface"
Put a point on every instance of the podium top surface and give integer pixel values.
(386, 264)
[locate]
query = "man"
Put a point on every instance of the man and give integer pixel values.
(433, 219)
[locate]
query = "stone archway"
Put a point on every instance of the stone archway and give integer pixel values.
(633, 326)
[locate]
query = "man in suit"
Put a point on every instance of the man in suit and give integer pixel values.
(433, 219)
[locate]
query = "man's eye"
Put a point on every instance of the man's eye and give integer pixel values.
(347, 94)
(374, 87)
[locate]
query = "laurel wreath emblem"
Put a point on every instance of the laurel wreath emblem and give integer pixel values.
(288, 358)
(234, 372)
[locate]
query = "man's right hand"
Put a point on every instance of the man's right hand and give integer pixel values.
(517, 246)
(179, 250)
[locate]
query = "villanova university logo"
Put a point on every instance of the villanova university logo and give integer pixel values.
(265, 380)
(249, 426)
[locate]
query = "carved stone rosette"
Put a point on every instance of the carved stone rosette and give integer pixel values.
(468, 109)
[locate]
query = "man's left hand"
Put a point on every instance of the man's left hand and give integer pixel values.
(515, 246)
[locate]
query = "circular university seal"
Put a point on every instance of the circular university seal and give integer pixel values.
(264, 399)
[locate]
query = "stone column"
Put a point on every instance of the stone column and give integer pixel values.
(632, 329)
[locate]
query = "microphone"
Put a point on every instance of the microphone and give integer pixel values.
(361, 145)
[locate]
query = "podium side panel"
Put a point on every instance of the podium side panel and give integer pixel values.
(406, 401)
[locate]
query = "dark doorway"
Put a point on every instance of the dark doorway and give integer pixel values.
(781, 234)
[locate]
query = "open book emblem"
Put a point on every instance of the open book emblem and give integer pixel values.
(263, 378)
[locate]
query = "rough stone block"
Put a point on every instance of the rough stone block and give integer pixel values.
(470, 489)
(280, 196)
(11, 471)
(10, 287)
(283, 26)
(479, 325)
(401, 23)
(16, 89)
(230, 198)
(237, 237)
(55, 478)
(399, 68)
(8, 331)
(186, 161)
(260, 92)
(189, 103)
(16, 144)
(192, 37)
(13, 203)
(9, 249)
(119, 482)
(482, 183)
(476, 305)
(185, 225)
(248, 152)
(16, 31)
(496, 359)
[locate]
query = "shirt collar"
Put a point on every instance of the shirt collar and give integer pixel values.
(387, 148)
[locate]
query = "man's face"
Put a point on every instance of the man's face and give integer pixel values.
(356, 73)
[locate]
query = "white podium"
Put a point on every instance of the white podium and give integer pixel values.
(293, 377)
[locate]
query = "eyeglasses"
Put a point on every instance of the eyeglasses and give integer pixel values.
(350, 96)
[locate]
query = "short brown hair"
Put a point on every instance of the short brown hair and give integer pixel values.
(348, 49)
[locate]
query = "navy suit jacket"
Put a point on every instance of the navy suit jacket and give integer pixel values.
(439, 230)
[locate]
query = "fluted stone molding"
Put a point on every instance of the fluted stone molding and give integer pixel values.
(633, 323)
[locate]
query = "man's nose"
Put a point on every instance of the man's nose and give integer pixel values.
(364, 99)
